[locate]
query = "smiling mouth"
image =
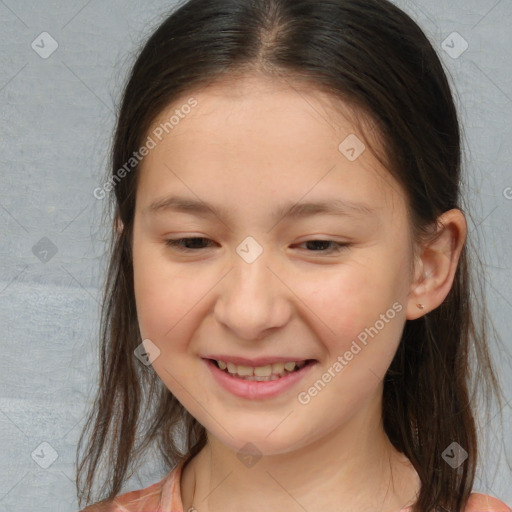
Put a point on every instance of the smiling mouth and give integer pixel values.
(265, 373)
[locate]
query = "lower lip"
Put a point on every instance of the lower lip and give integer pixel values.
(253, 389)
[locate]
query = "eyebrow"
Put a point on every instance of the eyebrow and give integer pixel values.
(336, 207)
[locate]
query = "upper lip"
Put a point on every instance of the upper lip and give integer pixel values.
(258, 361)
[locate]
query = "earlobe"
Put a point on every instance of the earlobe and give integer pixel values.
(436, 265)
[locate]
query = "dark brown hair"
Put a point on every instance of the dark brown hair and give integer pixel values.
(375, 58)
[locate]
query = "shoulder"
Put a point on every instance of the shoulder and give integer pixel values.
(163, 496)
(479, 503)
(133, 501)
(485, 503)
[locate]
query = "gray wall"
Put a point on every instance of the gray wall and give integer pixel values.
(56, 119)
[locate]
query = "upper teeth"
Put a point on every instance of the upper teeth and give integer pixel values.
(260, 371)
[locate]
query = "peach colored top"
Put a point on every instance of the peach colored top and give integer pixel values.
(165, 496)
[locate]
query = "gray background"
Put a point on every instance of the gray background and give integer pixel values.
(56, 120)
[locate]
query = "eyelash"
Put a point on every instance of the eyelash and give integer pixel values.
(175, 244)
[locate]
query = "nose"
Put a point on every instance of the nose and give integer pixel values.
(252, 300)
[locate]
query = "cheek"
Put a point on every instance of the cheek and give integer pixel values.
(350, 298)
(169, 298)
(158, 291)
(165, 309)
(359, 314)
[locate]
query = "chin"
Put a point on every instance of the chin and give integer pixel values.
(257, 442)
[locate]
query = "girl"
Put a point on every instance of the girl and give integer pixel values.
(287, 312)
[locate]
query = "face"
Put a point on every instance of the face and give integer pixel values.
(257, 283)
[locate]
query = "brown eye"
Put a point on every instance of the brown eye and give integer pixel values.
(319, 244)
(194, 242)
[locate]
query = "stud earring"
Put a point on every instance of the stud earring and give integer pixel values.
(420, 306)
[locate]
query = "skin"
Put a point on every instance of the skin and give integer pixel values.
(265, 144)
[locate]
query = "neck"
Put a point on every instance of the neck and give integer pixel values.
(355, 465)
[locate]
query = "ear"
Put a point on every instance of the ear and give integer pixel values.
(435, 266)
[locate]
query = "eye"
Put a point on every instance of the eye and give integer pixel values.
(177, 243)
(336, 246)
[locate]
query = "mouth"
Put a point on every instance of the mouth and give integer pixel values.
(246, 382)
(271, 378)
(265, 373)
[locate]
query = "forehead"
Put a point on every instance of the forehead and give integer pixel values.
(260, 139)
